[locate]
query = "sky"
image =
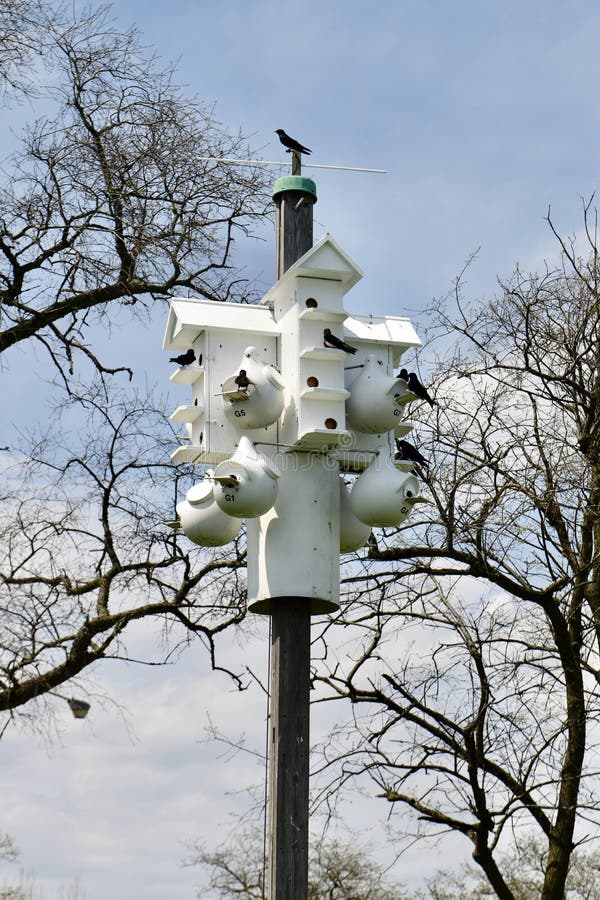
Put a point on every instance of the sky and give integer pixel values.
(483, 115)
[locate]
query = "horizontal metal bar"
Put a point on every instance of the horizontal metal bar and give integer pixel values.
(305, 165)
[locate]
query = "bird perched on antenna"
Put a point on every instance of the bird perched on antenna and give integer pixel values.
(185, 359)
(290, 143)
(330, 340)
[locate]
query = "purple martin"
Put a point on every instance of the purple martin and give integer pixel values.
(372, 544)
(185, 359)
(403, 374)
(290, 143)
(242, 380)
(415, 387)
(409, 453)
(330, 340)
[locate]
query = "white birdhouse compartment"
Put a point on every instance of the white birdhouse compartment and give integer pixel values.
(318, 373)
(191, 414)
(245, 486)
(321, 391)
(222, 332)
(373, 405)
(383, 495)
(253, 397)
(321, 418)
(320, 297)
(202, 521)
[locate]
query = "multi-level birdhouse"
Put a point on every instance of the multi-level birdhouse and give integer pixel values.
(300, 393)
(284, 396)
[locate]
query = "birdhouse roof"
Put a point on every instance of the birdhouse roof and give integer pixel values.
(387, 330)
(189, 317)
(326, 260)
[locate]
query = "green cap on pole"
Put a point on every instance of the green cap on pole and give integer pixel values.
(295, 183)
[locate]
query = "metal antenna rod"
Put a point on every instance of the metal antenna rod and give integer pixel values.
(265, 162)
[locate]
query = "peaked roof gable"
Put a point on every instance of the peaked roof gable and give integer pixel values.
(325, 259)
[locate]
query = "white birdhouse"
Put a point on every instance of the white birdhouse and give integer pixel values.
(202, 521)
(383, 494)
(245, 485)
(253, 396)
(306, 300)
(373, 406)
(221, 333)
(383, 339)
(285, 336)
(279, 412)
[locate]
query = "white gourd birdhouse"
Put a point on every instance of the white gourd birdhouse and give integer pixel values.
(385, 338)
(202, 521)
(260, 402)
(245, 486)
(373, 405)
(383, 494)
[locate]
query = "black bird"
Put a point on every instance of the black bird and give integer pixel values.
(185, 359)
(330, 340)
(372, 544)
(409, 453)
(415, 387)
(290, 143)
(242, 380)
(403, 374)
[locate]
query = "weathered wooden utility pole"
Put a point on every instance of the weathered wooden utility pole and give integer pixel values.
(294, 234)
(289, 748)
(290, 643)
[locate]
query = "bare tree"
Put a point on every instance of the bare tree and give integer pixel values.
(525, 867)
(336, 871)
(21, 42)
(85, 548)
(106, 200)
(474, 679)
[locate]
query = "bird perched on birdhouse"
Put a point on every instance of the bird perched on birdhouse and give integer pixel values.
(185, 359)
(330, 340)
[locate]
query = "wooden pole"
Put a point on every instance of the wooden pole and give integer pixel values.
(294, 222)
(289, 748)
(289, 744)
